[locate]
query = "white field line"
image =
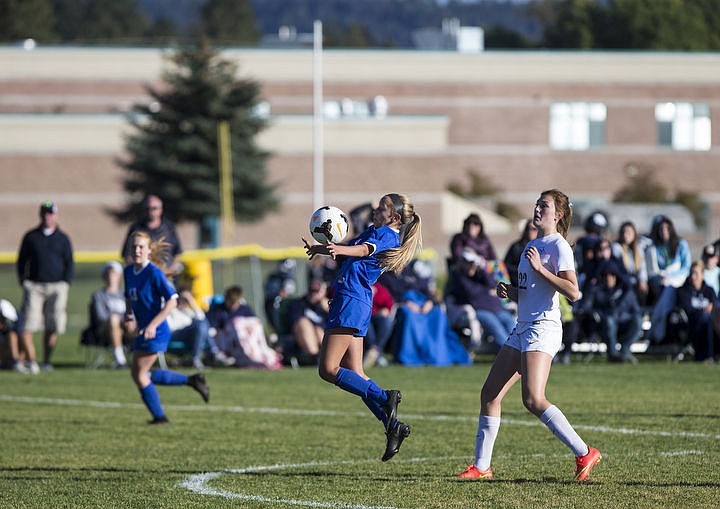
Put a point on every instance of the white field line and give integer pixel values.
(198, 483)
(332, 413)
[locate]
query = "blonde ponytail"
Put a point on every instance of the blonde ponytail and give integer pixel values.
(397, 258)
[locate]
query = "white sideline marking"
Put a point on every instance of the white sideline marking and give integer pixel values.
(681, 453)
(331, 413)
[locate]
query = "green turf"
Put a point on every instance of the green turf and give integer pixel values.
(77, 438)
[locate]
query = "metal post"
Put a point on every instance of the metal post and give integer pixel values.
(318, 149)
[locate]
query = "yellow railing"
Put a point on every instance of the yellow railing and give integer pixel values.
(218, 253)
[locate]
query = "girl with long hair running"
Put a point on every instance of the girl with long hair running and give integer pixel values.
(388, 244)
(546, 268)
(150, 299)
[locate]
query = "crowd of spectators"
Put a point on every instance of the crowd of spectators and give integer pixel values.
(642, 286)
(633, 287)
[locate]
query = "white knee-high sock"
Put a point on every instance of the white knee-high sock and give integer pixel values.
(120, 355)
(487, 432)
(556, 421)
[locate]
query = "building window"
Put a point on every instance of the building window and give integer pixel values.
(577, 125)
(683, 126)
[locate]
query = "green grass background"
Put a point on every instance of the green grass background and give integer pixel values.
(76, 438)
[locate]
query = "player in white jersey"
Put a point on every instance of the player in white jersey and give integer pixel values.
(546, 268)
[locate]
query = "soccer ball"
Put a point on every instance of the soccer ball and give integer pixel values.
(329, 224)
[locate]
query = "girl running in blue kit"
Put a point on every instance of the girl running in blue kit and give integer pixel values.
(150, 298)
(388, 244)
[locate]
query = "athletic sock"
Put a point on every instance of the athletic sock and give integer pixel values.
(166, 377)
(556, 421)
(353, 383)
(120, 355)
(487, 431)
(151, 398)
(376, 393)
(375, 408)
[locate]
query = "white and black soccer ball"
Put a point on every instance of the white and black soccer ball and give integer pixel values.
(329, 224)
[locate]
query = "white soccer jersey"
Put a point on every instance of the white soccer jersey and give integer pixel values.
(537, 300)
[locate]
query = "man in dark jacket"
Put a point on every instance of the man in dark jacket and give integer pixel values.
(158, 228)
(45, 268)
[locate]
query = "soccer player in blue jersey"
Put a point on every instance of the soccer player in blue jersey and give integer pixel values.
(388, 244)
(150, 299)
(546, 269)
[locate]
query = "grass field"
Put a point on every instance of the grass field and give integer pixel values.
(77, 438)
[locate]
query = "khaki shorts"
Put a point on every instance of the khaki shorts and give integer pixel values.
(45, 306)
(541, 336)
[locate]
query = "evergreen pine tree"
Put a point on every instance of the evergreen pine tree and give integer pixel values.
(173, 151)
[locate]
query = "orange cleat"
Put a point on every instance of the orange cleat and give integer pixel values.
(584, 464)
(472, 472)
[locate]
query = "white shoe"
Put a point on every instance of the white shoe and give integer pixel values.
(371, 357)
(223, 359)
(382, 362)
(198, 364)
(20, 368)
(33, 367)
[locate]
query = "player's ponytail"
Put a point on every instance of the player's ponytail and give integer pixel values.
(396, 259)
(562, 205)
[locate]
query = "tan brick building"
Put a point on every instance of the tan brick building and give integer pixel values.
(526, 120)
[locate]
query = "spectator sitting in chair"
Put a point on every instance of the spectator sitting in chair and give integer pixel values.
(189, 325)
(595, 226)
(628, 249)
(380, 328)
(602, 254)
(613, 304)
(668, 264)
(107, 309)
(696, 299)
(279, 285)
(422, 334)
(593, 267)
(711, 270)
(472, 236)
(10, 324)
(306, 318)
(470, 284)
(233, 304)
(239, 332)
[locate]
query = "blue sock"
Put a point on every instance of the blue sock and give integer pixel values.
(151, 398)
(376, 409)
(165, 377)
(353, 383)
(376, 393)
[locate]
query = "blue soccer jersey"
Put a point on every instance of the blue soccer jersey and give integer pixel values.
(358, 274)
(147, 291)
